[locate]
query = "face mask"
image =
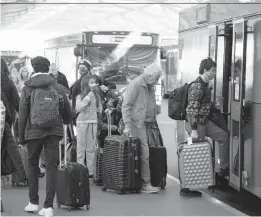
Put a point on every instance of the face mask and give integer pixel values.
(92, 85)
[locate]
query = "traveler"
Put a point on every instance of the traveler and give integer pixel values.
(23, 76)
(138, 111)
(199, 112)
(88, 105)
(84, 67)
(42, 126)
(59, 77)
(9, 90)
(109, 107)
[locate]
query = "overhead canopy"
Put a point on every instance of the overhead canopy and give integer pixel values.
(61, 17)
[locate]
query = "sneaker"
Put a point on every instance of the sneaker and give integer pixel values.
(223, 172)
(149, 189)
(47, 212)
(186, 192)
(31, 208)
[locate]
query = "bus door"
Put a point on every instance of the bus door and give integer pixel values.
(237, 101)
(220, 50)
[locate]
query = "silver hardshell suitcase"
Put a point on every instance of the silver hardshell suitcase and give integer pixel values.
(195, 162)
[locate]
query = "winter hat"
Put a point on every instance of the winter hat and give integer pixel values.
(114, 94)
(40, 64)
(86, 63)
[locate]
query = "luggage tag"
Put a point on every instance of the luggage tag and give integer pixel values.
(189, 140)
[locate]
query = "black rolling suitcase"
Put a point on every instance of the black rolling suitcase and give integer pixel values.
(73, 189)
(158, 157)
(121, 163)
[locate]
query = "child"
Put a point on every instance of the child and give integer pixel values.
(110, 104)
(88, 105)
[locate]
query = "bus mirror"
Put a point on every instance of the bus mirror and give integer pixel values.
(162, 54)
(78, 51)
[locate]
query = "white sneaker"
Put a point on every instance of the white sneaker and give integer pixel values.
(31, 208)
(47, 212)
(149, 189)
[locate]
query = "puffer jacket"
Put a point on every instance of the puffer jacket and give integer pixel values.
(26, 131)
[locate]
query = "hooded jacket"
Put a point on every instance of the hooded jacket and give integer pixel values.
(9, 90)
(26, 131)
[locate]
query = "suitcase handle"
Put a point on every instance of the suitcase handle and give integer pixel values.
(109, 122)
(60, 147)
(191, 140)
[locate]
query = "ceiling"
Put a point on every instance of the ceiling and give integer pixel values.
(62, 17)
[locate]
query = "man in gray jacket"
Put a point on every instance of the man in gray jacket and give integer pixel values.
(138, 110)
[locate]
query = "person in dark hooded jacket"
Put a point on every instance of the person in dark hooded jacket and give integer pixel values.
(38, 137)
(9, 90)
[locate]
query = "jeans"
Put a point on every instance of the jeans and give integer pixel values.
(141, 133)
(214, 132)
(51, 152)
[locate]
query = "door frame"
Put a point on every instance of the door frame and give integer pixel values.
(236, 106)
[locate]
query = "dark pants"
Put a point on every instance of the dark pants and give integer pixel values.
(51, 152)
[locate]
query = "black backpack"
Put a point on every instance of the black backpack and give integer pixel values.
(178, 101)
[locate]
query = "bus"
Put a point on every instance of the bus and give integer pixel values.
(169, 65)
(113, 54)
(231, 35)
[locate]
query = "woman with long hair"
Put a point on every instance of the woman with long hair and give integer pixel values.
(88, 105)
(23, 76)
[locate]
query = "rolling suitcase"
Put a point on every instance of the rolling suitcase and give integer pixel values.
(158, 157)
(121, 163)
(158, 166)
(73, 189)
(97, 166)
(195, 164)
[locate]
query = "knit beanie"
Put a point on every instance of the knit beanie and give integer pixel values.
(86, 63)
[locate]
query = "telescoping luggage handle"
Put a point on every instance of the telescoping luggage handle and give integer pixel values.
(60, 149)
(109, 122)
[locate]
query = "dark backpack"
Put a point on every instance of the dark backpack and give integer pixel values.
(178, 101)
(45, 106)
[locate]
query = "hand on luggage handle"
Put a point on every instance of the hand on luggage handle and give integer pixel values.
(190, 140)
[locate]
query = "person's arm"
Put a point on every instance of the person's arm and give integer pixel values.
(65, 82)
(131, 94)
(82, 103)
(75, 91)
(194, 104)
(24, 111)
(67, 112)
(14, 96)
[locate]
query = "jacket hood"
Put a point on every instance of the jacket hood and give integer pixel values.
(40, 80)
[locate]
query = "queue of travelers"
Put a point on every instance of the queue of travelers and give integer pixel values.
(133, 109)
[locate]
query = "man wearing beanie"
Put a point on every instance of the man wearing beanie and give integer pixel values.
(38, 137)
(84, 67)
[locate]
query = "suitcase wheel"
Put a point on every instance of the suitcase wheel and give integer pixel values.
(104, 188)
(88, 207)
(212, 188)
(121, 192)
